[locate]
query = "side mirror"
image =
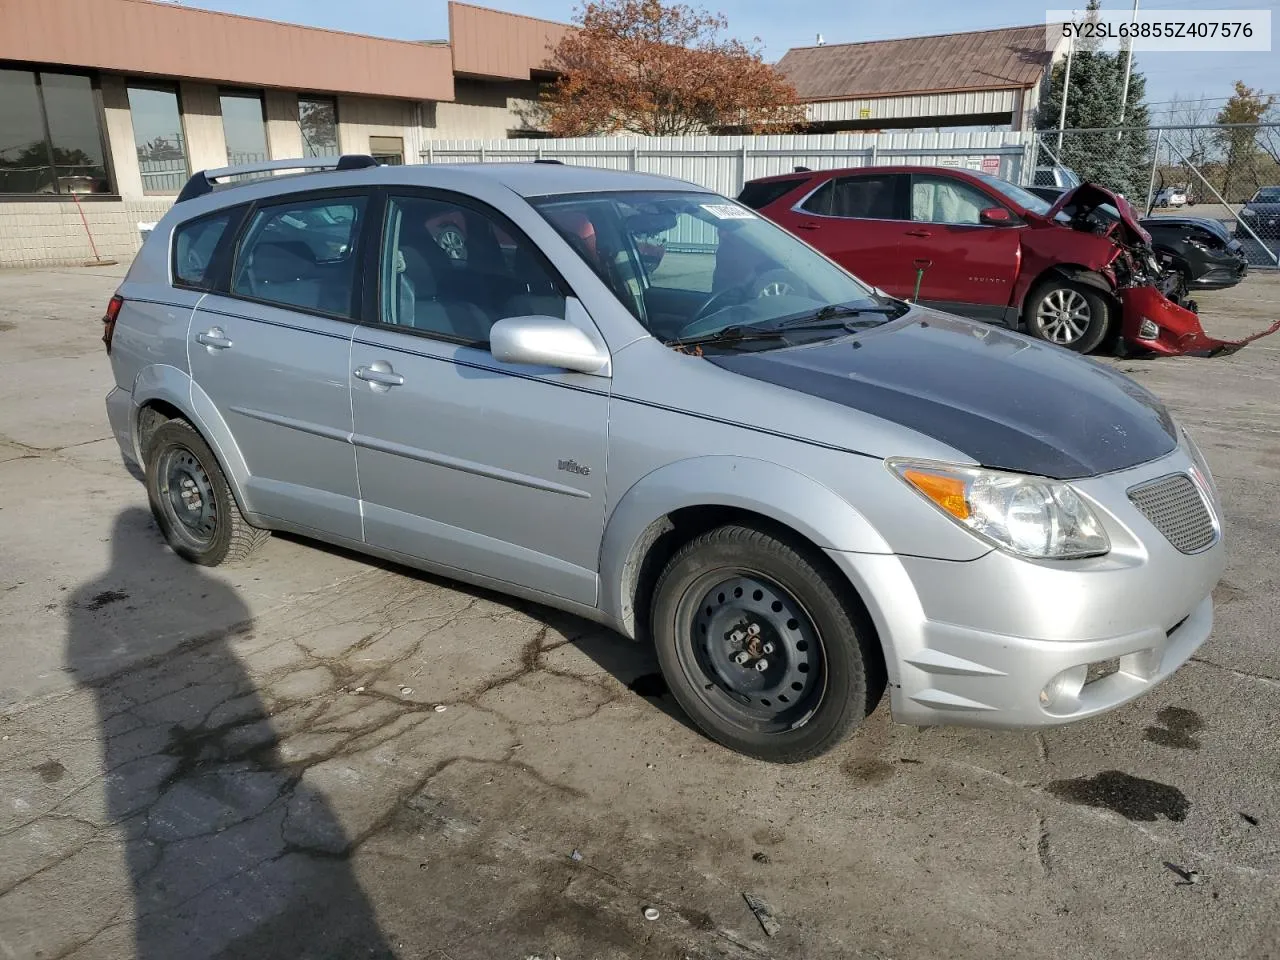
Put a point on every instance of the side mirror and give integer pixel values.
(547, 342)
(995, 217)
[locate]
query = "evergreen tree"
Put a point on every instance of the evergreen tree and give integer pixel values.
(1119, 160)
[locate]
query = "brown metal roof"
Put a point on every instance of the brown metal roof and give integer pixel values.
(982, 60)
(490, 43)
(163, 39)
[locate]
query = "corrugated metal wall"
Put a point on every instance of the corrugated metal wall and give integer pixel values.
(724, 164)
(968, 103)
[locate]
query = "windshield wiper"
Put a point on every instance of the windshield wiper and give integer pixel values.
(819, 319)
(734, 333)
(826, 318)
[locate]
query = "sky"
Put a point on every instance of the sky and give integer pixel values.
(1203, 76)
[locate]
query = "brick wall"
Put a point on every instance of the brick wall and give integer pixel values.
(46, 233)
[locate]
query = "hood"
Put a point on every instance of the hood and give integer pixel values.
(1087, 196)
(1005, 400)
(1268, 207)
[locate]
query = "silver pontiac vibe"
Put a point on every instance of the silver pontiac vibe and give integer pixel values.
(630, 398)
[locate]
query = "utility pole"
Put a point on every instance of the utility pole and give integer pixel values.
(1066, 87)
(1128, 67)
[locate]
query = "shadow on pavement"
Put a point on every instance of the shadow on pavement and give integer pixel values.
(229, 854)
(634, 664)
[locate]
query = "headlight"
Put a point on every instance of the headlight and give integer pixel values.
(1246, 212)
(1029, 516)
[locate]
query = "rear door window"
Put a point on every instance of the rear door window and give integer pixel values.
(302, 255)
(871, 197)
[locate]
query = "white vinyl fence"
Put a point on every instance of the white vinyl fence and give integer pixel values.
(724, 164)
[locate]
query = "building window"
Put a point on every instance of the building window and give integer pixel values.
(244, 127)
(157, 134)
(388, 150)
(318, 120)
(50, 134)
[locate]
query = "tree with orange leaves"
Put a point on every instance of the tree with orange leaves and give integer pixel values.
(645, 67)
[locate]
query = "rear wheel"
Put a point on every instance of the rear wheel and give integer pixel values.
(760, 646)
(191, 500)
(1068, 314)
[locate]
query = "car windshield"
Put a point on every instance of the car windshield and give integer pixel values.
(1267, 195)
(1010, 191)
(693, 265)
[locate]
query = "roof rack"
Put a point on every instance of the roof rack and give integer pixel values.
(202, 181)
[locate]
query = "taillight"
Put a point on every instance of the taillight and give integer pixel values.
(109, 319)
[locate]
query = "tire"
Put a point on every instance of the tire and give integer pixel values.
(1085, 315)
(184, 475)
(824, 671)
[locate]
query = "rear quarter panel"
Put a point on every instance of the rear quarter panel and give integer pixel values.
(153, 322)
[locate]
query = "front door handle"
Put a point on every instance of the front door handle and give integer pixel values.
(379, 374)
(807, 226)
(919, 233)
(214, 338)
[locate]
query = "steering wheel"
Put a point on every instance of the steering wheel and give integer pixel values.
(706, 310)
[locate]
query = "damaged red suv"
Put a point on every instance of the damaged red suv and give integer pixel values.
(973, 244)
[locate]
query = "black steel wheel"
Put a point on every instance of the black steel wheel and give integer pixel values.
(763, 646)
(755, 651)
(191, 500)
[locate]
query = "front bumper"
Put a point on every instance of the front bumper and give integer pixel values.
(1221, 274)
(1152, 322)
(977, 643)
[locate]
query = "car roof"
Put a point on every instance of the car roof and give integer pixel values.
(526, 179)
(847, 171)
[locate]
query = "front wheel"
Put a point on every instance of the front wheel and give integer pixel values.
(761, 646)
(1068, 314)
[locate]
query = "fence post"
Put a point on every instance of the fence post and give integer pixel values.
(538, 154)
(635, 159)
(1155, 162)
(482, 153)
(742, 168)
(431, 154)
(875, 155)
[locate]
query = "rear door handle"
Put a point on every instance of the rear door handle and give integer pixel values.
(807, 226)
(214, 338)
(919, 233)
(380, 374)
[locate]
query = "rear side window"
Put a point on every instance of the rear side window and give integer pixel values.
(865, 198)
(302, 255)
(760, 195)
(194, 244)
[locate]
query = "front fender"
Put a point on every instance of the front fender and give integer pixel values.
(779, 493)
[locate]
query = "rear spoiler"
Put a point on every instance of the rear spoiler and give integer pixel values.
(203, 181)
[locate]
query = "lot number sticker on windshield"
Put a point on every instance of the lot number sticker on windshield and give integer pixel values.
(728, 211)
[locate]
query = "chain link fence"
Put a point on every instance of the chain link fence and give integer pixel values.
(1229, 173)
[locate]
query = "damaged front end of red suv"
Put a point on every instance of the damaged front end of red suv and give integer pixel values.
(1156, 315)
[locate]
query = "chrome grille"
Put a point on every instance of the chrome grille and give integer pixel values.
(1175, 507)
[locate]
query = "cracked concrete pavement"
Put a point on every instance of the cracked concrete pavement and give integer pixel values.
(315, 755)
